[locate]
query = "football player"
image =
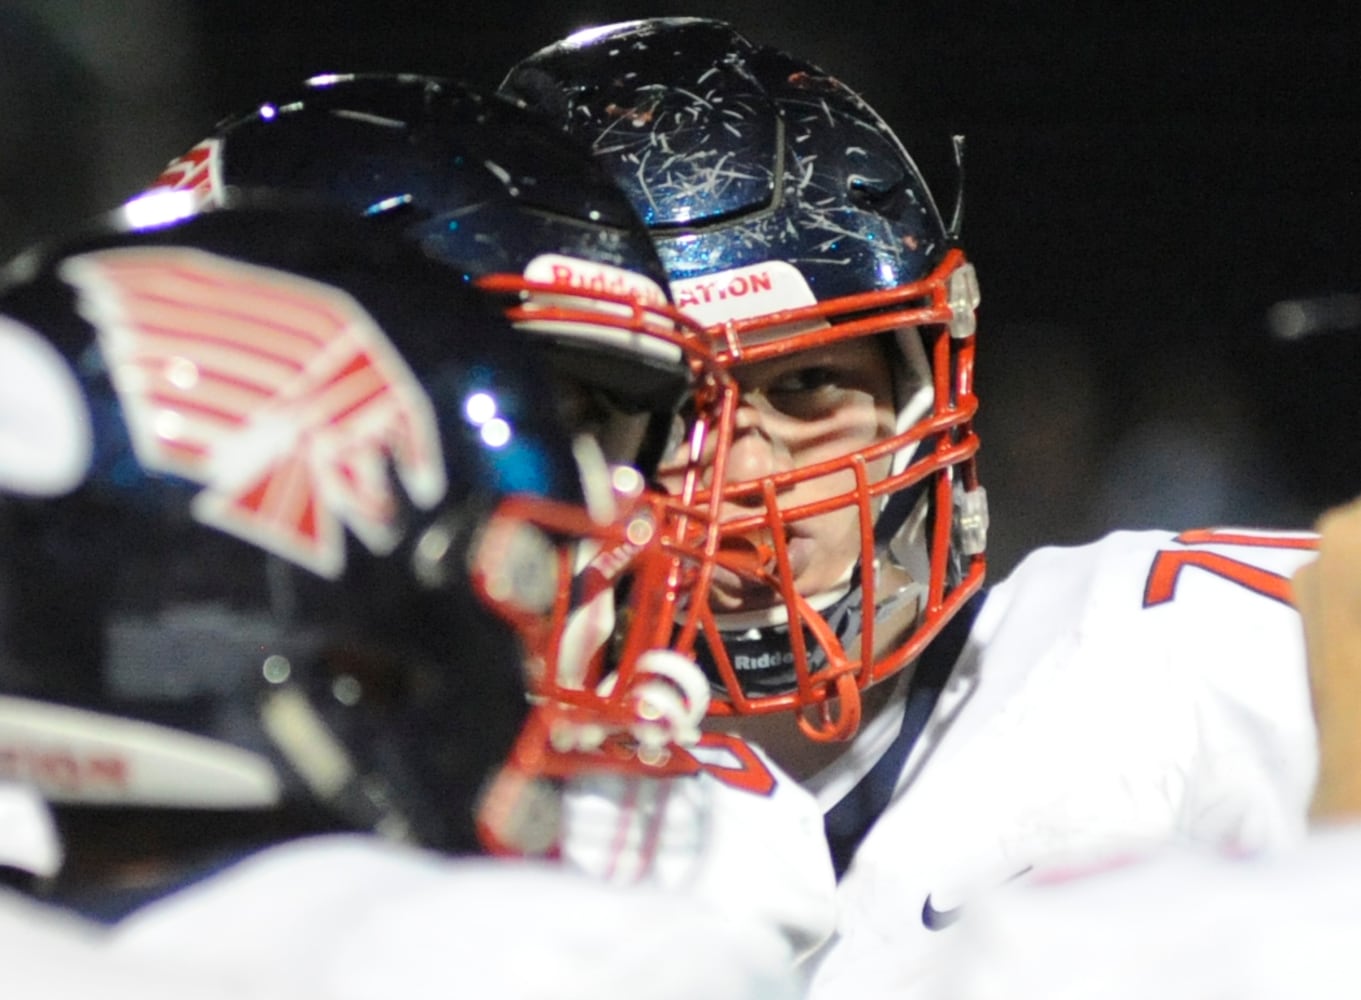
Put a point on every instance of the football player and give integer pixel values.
(277, 500)
(1148, 686)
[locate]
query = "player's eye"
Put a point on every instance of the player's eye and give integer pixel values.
(811, 392)
(805, 380)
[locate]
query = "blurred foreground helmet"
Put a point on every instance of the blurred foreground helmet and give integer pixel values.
(525, 215)
(792, 223)
(264, 476)
(509, 205)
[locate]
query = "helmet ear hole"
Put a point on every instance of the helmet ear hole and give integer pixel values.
(884, 198)
(537, 91)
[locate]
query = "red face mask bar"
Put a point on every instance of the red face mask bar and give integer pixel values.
(608, 692)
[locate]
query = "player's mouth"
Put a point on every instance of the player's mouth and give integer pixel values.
(746, 574)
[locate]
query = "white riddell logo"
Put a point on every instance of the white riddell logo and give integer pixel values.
(763, 661)
(278, 394)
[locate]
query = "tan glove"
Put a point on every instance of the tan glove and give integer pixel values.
(1328, 595)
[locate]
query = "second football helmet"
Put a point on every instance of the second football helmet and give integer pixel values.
(529, 218)
(792, 222)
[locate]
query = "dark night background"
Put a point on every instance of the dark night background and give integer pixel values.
(1145, 181)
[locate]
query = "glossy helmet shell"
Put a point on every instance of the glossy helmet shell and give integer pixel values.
(520, 211)
(246, 460)
(481, 186)
(789, 216)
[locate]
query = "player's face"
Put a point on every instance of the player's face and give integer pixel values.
(795, 412)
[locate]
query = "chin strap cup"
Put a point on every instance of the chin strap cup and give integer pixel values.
(836, 719)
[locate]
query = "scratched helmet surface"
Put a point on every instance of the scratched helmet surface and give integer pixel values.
(790, 218)
(246, 461)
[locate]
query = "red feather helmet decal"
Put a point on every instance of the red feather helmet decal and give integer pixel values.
(278, 394)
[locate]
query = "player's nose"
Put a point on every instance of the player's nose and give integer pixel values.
(755, 452)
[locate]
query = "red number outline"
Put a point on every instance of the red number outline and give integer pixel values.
(748, 773)
(1163, 575)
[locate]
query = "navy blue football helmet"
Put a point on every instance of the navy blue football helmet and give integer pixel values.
(790, 219)
(526, 216)
(281, 508)
(513, 207)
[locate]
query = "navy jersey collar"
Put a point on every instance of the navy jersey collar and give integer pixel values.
(850, 819)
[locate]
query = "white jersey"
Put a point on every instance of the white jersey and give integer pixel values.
(708, 885)
(50, 954)
(1145, 688)
(1183, 924)
(352, 917)
(703, 886)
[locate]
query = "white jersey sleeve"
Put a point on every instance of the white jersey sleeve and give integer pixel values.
(1146, 688)
(356, 918)
(1182, 924)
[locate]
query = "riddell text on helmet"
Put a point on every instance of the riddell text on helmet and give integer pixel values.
(590, 277)
(764, 661)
